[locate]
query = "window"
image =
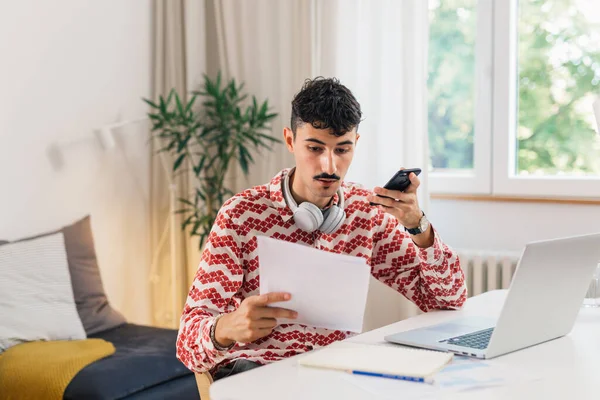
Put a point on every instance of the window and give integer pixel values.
(558, 80)
(451, 84)
(530, 73)
(460, 97)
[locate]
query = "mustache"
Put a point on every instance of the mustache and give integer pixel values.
(327, 176)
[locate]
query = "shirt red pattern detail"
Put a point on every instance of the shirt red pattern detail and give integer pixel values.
(228, 272)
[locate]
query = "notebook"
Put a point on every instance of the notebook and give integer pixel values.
(386, 361)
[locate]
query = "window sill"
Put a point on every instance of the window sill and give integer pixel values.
(514, 199)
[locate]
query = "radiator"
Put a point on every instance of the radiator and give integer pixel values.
(487, 270)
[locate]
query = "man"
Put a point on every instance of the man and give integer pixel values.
(226, 326)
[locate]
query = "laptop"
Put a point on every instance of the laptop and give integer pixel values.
(544, 298)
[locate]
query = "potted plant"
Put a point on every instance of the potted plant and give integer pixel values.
(226, 128)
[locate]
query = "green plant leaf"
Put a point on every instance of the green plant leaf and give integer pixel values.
(200, 195)
(250, 137)
(254, 108)
(243, 158)
(187, 221)
(162, 106)
(202, 239)
(184, 200)
(268, 137)
(190, 103)
(196, 225)
(201, 163)
(178, 162)
(171, 144)
(157, 126)
(182, 144)
(263, 109)
(222, 129)
(170, 96)
(150, 103)
(178, 104)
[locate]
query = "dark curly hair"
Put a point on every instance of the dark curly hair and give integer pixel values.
(325, 104)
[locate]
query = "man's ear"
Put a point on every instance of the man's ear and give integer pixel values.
(288, 137)
(357, 137)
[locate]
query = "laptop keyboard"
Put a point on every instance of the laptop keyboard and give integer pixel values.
(476, 340)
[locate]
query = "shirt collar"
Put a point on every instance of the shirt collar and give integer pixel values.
(276, 195)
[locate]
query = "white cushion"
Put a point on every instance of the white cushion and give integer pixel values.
(36, 297)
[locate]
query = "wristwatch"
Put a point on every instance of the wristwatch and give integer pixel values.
(423, 225)
(213, 328)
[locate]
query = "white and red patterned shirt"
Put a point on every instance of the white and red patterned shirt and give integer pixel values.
(228, 272)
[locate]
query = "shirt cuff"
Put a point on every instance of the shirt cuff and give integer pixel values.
(214, 354)
(434, 254)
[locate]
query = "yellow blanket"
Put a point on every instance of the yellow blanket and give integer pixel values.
(42, 370)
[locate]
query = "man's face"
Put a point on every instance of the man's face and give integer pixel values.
(322, 161)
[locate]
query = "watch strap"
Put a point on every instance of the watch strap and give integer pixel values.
(417, 230)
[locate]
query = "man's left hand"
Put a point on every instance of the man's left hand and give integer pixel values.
(405, 207)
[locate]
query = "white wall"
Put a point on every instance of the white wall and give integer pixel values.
(67, 67)
(508, 225)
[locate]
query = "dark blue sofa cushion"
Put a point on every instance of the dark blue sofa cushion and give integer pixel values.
(144, 362)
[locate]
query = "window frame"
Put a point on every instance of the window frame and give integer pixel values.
(495, 121)
(476, 180)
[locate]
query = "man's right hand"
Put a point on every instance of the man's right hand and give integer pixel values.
(253, 319)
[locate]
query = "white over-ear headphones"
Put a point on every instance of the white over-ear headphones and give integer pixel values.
(309, 217)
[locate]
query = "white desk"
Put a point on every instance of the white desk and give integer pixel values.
(569, 367)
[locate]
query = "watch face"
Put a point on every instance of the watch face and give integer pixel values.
(424, 224)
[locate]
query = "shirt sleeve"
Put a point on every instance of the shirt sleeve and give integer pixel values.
(218, 278)
(431, 278)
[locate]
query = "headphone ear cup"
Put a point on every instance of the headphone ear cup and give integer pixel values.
(334, 220)
(308, 217)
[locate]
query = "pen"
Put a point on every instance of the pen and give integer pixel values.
(391, 376)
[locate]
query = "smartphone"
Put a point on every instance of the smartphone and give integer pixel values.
(399, 181)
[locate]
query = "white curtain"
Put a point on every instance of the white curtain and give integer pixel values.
(378, 48)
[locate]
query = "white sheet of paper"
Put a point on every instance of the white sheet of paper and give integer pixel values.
(328, 290)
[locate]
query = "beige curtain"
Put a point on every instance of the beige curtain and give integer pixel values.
(267, 44)
(169, 244)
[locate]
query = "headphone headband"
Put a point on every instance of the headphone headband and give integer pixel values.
(308, 216)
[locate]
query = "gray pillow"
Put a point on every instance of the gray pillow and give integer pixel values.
(95, 312)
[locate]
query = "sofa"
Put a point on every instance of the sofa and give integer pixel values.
(143, 366)
(37, 307)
